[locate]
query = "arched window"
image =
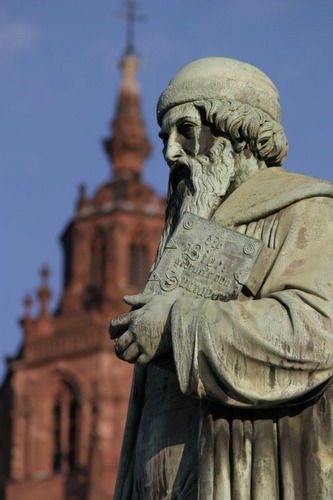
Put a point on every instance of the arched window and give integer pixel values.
(97, 259)
(65, 418)
(137, 264)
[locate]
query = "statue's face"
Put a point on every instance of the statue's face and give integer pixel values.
(184, 134)
(202, 166)
(201, 161)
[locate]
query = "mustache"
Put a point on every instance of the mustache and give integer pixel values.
(181, 175)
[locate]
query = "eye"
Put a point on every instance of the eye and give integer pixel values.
(186, 129)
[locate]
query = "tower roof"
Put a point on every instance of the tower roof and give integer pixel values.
(128, 145)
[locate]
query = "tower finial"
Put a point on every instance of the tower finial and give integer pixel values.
(131, 16)
(27, 306)
(44, 293)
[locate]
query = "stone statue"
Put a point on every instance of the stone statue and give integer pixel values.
(232, 395)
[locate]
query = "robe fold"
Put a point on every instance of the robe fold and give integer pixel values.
(260, 366)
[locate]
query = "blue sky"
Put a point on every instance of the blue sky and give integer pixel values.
(59, 78)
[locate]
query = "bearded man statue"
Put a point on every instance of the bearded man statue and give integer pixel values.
(232, 399)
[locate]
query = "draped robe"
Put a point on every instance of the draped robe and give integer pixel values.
(260, 367)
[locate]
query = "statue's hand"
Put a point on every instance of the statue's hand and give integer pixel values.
(143, 333)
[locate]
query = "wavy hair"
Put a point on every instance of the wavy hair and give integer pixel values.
(264, 136)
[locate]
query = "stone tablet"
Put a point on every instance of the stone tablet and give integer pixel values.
(205, 259)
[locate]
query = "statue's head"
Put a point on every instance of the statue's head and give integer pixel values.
(220, 124)
(235, 98)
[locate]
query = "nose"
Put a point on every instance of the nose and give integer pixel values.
(173, 150)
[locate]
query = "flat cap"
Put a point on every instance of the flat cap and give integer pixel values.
(220, 78)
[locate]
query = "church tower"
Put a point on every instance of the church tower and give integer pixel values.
(63, 402)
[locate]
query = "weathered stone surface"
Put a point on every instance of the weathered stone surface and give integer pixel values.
(232, 397)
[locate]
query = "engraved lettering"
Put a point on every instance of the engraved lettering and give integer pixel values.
(222, 280)
(170, 281)
(194, 252)
(209, 240)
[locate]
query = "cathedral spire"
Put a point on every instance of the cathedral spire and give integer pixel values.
(128, 145)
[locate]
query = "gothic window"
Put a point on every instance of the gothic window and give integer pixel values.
(98, 258)
(56, 437)
(65, 418)
(138, 264)
(72, 438)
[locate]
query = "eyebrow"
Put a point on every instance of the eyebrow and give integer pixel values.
(194, 120)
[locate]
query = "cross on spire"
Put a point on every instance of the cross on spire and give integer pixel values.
(130, 16)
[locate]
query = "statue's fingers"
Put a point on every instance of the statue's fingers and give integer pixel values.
(119, 325)
(143, 360)
(123, 342)
(131, 354)
(137, 300)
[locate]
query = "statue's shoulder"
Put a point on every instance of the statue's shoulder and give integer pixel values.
(277, 182)
(291, 181)
(268, 192)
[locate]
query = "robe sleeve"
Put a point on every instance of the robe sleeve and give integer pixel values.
(278, 347)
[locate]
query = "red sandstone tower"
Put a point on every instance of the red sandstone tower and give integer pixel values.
(63, 402)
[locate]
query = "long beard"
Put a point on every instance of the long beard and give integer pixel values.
(197, 185)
